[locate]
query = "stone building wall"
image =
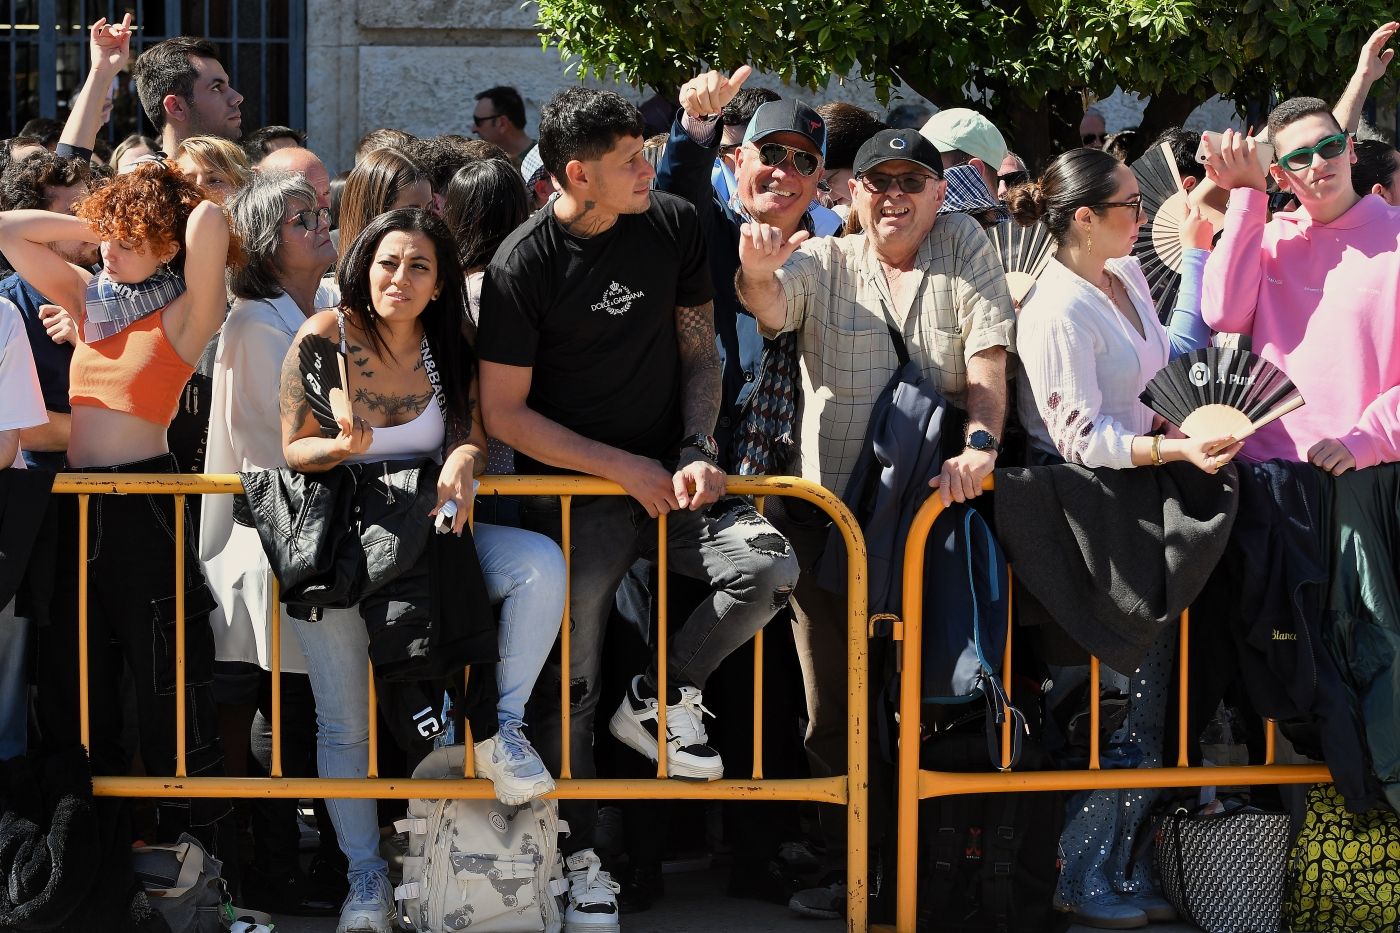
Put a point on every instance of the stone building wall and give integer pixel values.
(419, 64)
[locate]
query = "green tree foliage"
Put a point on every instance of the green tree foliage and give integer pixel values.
(1024, 63)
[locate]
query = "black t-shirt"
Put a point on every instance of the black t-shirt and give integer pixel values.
(596, 319)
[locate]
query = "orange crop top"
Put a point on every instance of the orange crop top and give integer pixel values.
(136, 371)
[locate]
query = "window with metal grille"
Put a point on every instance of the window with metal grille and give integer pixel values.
(43, 45)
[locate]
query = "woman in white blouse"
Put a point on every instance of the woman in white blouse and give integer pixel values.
(1088, 340)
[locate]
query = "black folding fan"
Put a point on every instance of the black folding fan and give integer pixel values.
(1220, 392)
(1024, 253)
(323, 380)
(1158, 247)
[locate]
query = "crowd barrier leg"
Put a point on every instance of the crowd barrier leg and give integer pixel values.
(850, 790)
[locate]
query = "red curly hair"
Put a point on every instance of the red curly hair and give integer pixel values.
(147, 208)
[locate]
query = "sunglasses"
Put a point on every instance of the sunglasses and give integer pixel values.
(912, 183)
(1328, 147)
(1090, 138)
(775, 154)
(1135, 203)
(1012, 179)
(477, 121)
(311, 220)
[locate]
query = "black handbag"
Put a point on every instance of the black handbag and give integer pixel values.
(1224, 872)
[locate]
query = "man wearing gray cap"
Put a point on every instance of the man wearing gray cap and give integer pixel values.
(905, 286)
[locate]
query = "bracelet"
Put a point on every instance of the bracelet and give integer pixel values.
(1157, 450)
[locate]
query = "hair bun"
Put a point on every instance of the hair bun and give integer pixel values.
(1027, 202)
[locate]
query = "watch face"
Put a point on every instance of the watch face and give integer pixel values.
(981, 440)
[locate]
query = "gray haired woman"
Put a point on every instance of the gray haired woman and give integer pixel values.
(286, 238)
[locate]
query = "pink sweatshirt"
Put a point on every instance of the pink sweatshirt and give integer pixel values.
(1322, 303)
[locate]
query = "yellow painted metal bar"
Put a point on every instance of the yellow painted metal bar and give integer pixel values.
(372, 767)
(662, 594)
(1006, 674)
(1270, 741)
(275, 655)
(84, 695)
(180, 711)
(1094, 699)
(1183, 760)
(566, 678)
(817, 790)
(948, 783)
(469, 751)
(758, 504)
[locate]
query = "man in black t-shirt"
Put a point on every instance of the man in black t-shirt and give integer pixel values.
(598, 356)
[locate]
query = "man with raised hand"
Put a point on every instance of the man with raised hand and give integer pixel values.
(597, 350)
(1316, 289)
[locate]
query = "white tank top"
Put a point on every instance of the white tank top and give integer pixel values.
(421, 437)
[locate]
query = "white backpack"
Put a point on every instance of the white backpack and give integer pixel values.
(479, 864)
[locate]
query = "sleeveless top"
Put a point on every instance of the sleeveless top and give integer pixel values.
(136, 371)
(421, 437)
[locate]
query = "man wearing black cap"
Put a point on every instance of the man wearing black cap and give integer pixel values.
(937, 285)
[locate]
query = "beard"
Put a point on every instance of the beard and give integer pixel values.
(204, 124)
(78, 252)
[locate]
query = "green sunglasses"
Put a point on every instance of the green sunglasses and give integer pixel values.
(1328, 147)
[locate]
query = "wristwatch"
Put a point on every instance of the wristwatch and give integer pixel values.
(704, 443)
(984, 440)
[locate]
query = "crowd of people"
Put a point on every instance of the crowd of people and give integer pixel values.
(660, 309)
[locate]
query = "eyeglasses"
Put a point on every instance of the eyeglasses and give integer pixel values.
(477, 121)
(1012, 179)
(1135, 203)
(912, 183)
(1090, 138)
(311, 220)
(775, 154)
(1328, 147)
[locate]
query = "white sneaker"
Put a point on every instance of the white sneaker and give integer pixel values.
(369, 907)
(592, 898)
(512, 765)
(688, 757)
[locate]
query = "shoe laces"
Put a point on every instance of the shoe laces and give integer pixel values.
(515, 749)
(685, 720)
(368, 886)
(590, 884)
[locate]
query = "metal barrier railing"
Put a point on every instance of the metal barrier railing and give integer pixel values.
(850, 790)
(915, 784)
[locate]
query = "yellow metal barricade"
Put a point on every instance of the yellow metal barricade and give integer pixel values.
(849, 790)
(916, 784)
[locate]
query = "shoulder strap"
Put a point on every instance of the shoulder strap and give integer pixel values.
(340, 323)
(896, 338)
(434, 377)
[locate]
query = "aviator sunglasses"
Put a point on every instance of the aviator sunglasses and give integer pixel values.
(775, 154)
(1329, 147)
(311, 220)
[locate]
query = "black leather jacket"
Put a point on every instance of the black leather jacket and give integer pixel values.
(360, 535)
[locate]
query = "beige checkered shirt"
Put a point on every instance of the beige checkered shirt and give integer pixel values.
(834, 288)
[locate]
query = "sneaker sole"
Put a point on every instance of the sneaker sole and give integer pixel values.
(522, 794)
(613, 927)
(816, 912)
(630, 733)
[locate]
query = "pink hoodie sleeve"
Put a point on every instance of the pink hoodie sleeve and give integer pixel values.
(1376, 437)
(1230, 292)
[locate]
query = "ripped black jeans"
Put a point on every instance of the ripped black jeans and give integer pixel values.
(131, 624)
(748, 565)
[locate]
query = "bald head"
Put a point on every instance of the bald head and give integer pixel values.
(304, 163)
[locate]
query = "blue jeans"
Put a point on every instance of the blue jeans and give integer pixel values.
(14, 684)
(524, 574)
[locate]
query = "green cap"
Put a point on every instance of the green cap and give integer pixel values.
(968, 131)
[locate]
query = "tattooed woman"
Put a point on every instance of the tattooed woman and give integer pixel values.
(402, 308)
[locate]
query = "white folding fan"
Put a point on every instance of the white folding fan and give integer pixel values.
(1158, 247)
(1219, 392)
(1024, 253)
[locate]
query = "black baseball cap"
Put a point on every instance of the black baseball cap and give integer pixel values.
(903, 145)
(788, 116)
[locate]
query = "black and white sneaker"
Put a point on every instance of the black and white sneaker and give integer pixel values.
(688, 757)
(592, 900)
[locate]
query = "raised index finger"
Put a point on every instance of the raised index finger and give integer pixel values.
(740, 75)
